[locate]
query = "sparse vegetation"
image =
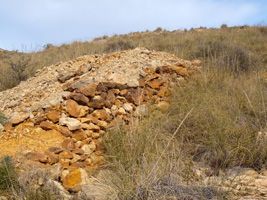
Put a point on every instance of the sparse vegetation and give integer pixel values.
(2, 118)
(213, 120)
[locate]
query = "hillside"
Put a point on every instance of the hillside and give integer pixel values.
(241, 47)
(106, 120)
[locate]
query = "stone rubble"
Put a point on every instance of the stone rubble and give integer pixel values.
(58, 117)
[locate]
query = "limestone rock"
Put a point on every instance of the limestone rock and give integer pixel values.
(71, 123)
(19, 117)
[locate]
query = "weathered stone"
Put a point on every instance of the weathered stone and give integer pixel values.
(88, 90)
(66, 154)
(96, 102)
(100, 114)
(65, 75)
(59, 189)
(73, 108)
(52, 157)
(40, 119)
(102, 124)
(83, 69)
(35, 156)
(55, 150)
(54, 171)
(64, 131)
(84, 110)
(19, 117)
(86, 148)
(78, 151)
(76, 179)
(155, 83)
(121, 111)
(72, 124)
(79, 134)
(53, 116)
(47, 125)
(68, 144)
(111, 97)
(80, 98)
(128, 107)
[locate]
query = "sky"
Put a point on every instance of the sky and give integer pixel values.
(28, 25)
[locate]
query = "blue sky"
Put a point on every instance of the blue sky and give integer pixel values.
(27, 25)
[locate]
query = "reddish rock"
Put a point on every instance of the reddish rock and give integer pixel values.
(83, 69)
(163, 91)
(64, 131)
(123, 92)
(102, 124)
(55, 150)
(66, 154)
(53, 116)
(89, 118)
(68, 144)
(40, 119)
(111, 97)
(79, 134)
(97, 102)
(73, 108)
(35, 156)
(88, 90)
(78, 151)
(52, 157)
(155, 83)
(46, 125)
(80, 98)
(100, 114)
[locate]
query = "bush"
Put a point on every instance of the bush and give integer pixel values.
(2, 118)
(118, 45)
(8, 175)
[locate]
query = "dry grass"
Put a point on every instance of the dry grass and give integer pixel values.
(235, 49)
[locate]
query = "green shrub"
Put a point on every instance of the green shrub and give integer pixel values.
(2, 118)
(8, 175)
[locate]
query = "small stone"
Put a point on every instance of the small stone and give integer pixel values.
(88, 90)
(86, 148)
(100, 114)
(64, 131)
(76, 179)
(128, 107)
(35, 156)
(79, 134)
(72, 124)
(68, 144)
(102, 124)
(46, 125)
(66, 154)
(53, 116)
(73, 108)
(55, 150)
(121, 111)
(80, 98)
(18, 118)
(52, 157)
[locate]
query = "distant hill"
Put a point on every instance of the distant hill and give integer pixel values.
(235, 44)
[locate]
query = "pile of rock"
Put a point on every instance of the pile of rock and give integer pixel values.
(59, 116)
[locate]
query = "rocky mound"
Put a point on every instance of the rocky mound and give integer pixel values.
(58, 117)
